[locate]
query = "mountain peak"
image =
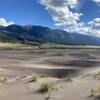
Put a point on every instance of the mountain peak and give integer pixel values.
(41, 34)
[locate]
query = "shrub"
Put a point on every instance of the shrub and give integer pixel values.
(95, 92)
(47, 87)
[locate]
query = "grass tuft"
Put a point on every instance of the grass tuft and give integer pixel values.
(34, 78)
(47, 87)
(3, 79)
(95, 92)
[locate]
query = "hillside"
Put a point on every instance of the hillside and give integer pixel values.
(37, 34)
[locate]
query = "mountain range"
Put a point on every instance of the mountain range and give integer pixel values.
(29, 34)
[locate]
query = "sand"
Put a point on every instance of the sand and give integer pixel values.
(74, 72)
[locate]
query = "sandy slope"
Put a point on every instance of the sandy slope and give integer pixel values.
(79, 64)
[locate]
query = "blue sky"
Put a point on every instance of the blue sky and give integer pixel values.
(24, 12)
(78, 14)
(90, 10)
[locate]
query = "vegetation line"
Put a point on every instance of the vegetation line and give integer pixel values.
(45, 46)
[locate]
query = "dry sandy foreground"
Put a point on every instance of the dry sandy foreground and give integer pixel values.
(73, 72)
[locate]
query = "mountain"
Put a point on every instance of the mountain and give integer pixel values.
(37, 34)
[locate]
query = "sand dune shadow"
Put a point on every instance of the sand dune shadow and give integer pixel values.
(78, 63)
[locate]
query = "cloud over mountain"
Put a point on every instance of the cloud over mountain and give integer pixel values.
(66, 16)
(3, 22)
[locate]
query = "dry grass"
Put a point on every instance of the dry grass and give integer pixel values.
(16, 46)
(3, 79)
(34, 78)
(47, 87)
(95, 92)
(44, 46)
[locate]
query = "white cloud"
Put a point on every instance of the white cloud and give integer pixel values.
(97, 1)
(95, 23)
(95, 26)
(72, 3)
(3, 22)
(62, 13)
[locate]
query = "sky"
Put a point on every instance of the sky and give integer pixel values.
(74, 16)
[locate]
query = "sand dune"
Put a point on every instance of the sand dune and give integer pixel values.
(81, 65)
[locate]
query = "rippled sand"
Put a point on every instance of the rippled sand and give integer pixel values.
(56, 64)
